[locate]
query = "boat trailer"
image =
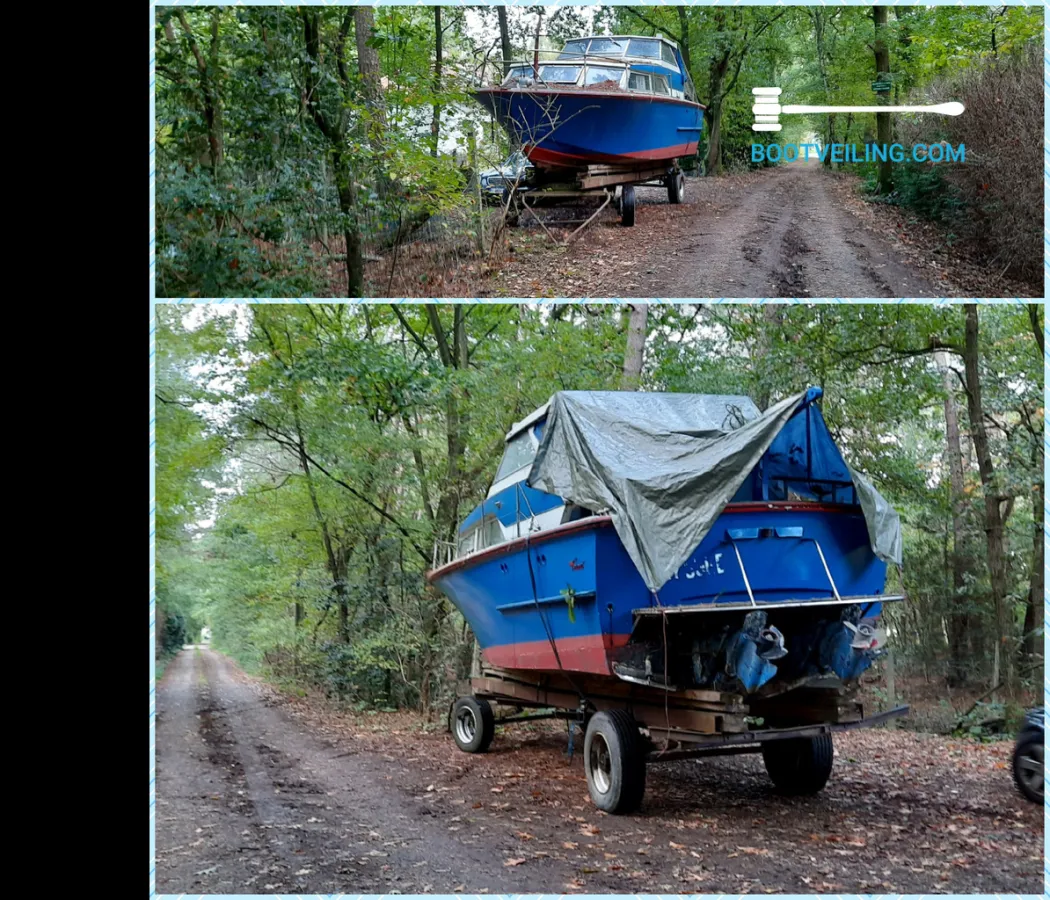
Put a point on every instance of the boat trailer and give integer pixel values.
(627, 725)
(613, 184)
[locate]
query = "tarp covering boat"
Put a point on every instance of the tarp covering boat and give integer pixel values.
(666, 465)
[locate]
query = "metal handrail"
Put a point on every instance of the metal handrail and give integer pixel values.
(584, 61)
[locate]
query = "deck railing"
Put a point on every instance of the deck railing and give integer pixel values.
(586, 61)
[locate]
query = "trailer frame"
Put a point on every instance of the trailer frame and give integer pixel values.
(548, 187)
(633, 724)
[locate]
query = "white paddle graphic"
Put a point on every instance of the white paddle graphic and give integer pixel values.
(767, 109)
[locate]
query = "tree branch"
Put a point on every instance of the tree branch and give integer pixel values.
(286, 441)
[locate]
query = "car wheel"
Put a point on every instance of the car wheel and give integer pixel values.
(1028, 767)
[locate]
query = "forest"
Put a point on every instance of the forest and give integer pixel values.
(299, 151)
(308, 457)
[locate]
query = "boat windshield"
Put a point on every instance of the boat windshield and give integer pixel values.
(607, 47)
(560, 74)
(520, 452)
(573, 49)
(647, 48)
(602, 75)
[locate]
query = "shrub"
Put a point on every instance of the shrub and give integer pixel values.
(996, 196)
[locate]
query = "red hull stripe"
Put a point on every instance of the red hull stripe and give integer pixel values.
(577, 654)
(572, 160)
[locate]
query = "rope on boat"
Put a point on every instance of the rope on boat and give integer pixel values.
(550, 637)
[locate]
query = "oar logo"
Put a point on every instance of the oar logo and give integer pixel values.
(767, 109)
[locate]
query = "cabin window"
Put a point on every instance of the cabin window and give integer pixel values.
(519, 72)
(667, 55)
(486, 533)
(560, 74)
(690, 94)
(602, 74)
(646, 48)
(520, 452)
(607, 47)
(573, 48)
(660, 85)
(639, 81)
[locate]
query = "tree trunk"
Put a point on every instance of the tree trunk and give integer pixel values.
(435, 122)
(504, 38)
(683, 44)
(355, 274)
(208, 76)
(1033, 615)
(959, 637)
(334, 131)
(993, 517)
(772, 319)
(718, 69)
(634, 358)
(335, 562)
(884, 125)
(368, 67)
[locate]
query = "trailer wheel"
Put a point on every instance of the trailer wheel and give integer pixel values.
(614, 761)
(799, 766)
(676, 187)
(627, 206)
(473, 724)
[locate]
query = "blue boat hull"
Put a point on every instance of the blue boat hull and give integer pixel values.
(574, 128)
(588, 589)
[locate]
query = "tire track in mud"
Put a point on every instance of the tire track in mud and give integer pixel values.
(267, 807)
(780, 232)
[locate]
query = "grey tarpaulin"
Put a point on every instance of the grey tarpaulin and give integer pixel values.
(665, 465)
(884, 525)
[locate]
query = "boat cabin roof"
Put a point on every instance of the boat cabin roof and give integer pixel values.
(645, 47)
(533, 416)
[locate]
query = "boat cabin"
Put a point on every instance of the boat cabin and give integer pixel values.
(802, 465)
(633, 63)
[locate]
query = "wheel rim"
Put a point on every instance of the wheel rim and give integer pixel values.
(1030, 769)
(466, 725)
(600, 764)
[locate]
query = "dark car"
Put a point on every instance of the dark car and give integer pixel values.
(513, 171)
(1028, 756)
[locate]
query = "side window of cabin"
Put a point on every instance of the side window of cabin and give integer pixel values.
(660, 85)
(639, 81)
(560, 74)
(667, 54)
(491, 532)
(468, 542)
(602, 75)
(690, 94)
(520, 452)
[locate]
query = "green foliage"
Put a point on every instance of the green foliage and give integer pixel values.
(918, 186)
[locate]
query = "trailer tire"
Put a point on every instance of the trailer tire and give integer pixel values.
(627, 206)
(799, 766)
(473, 724)
(614, 761)
(676, 187)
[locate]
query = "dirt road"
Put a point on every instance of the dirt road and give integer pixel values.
(257, 793)
(792, 231)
